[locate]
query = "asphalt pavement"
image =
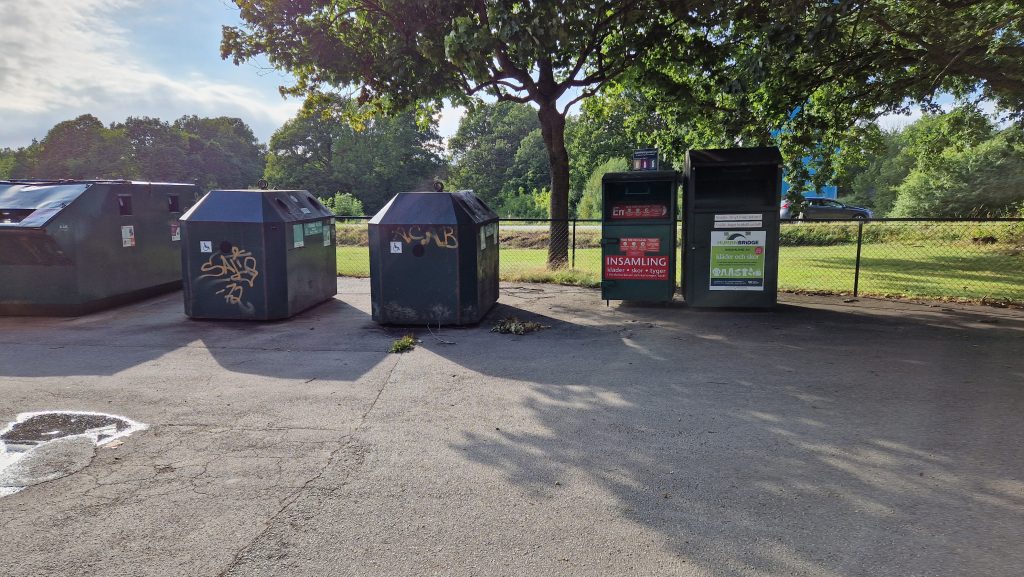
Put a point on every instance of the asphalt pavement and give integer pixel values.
(823, 438)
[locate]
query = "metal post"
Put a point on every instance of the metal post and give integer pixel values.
(574, 243)
(856, 270)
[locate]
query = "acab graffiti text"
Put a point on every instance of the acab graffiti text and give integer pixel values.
(443, 237)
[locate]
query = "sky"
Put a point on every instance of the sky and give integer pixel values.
(60, 59)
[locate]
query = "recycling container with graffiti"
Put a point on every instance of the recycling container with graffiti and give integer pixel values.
(731, 227)
(433, 259)
(68, 247)
(638, 235)
(257, 254)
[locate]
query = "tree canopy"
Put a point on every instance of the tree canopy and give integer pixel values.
(483, 150)
(810, 76)
(213, 152)
(953, 164)
(384, 156)
(415, 53)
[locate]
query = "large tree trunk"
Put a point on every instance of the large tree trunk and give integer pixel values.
(552, 127)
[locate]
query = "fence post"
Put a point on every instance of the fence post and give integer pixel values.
(574, 243)
(856, 270)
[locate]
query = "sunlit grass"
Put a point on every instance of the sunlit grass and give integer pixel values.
(955, 270)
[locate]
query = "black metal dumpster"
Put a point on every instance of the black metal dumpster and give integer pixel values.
(68, 247)
(433, 259)
(257, 254)
(731, 228)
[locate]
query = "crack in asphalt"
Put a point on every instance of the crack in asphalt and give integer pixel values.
(289, 500)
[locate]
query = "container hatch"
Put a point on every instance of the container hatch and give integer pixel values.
(33, 204)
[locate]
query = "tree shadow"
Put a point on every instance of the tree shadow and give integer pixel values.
(799, 441)
(112, 341)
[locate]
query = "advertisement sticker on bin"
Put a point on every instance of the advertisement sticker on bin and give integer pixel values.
(737, 260)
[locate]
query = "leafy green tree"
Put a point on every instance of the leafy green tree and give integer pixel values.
(978, 180)
(807, 75)
(221, 152)
(410, 53)
(590, 203)
(79, 148)
(525, 204)
(873, 171)
(609, 126)
(157, 151)
(301, 155)
(485, 146)
(22, 161)
(530, 169)
(7, 160)
(883, 160)
(385, 155)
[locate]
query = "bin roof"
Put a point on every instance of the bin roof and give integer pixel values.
(459, 207)
(640, 175)
(734, 156)
(23, 195)
(256, 206)
(32, 204)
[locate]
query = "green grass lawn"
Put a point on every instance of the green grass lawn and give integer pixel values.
(956, 270)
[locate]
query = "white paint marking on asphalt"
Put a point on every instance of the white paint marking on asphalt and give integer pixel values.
(11, 453)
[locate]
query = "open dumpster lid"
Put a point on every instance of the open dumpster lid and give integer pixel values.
(28, 204)
(459, 207)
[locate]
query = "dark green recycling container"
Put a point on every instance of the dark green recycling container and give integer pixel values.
(69, 247)
(257, 255)
(433, 259)
(731, 228)
(638, 235)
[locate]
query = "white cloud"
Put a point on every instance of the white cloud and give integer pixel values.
(62, 58)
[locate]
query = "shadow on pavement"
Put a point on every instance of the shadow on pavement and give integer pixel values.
(798, 441)
(112, 341)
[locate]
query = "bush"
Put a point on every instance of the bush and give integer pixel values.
(522, 204)
(837, 233)
(344, 204)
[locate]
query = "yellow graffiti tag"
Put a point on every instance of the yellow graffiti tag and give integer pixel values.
(443, 237)
(237, 270)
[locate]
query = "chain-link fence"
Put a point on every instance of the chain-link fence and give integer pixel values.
(968, 259)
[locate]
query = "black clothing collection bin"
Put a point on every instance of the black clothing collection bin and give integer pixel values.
(731, 229)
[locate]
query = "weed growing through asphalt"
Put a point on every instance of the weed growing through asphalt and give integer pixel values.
(512, 325)
(404, 344)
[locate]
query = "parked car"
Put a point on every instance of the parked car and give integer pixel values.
(825, 208)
